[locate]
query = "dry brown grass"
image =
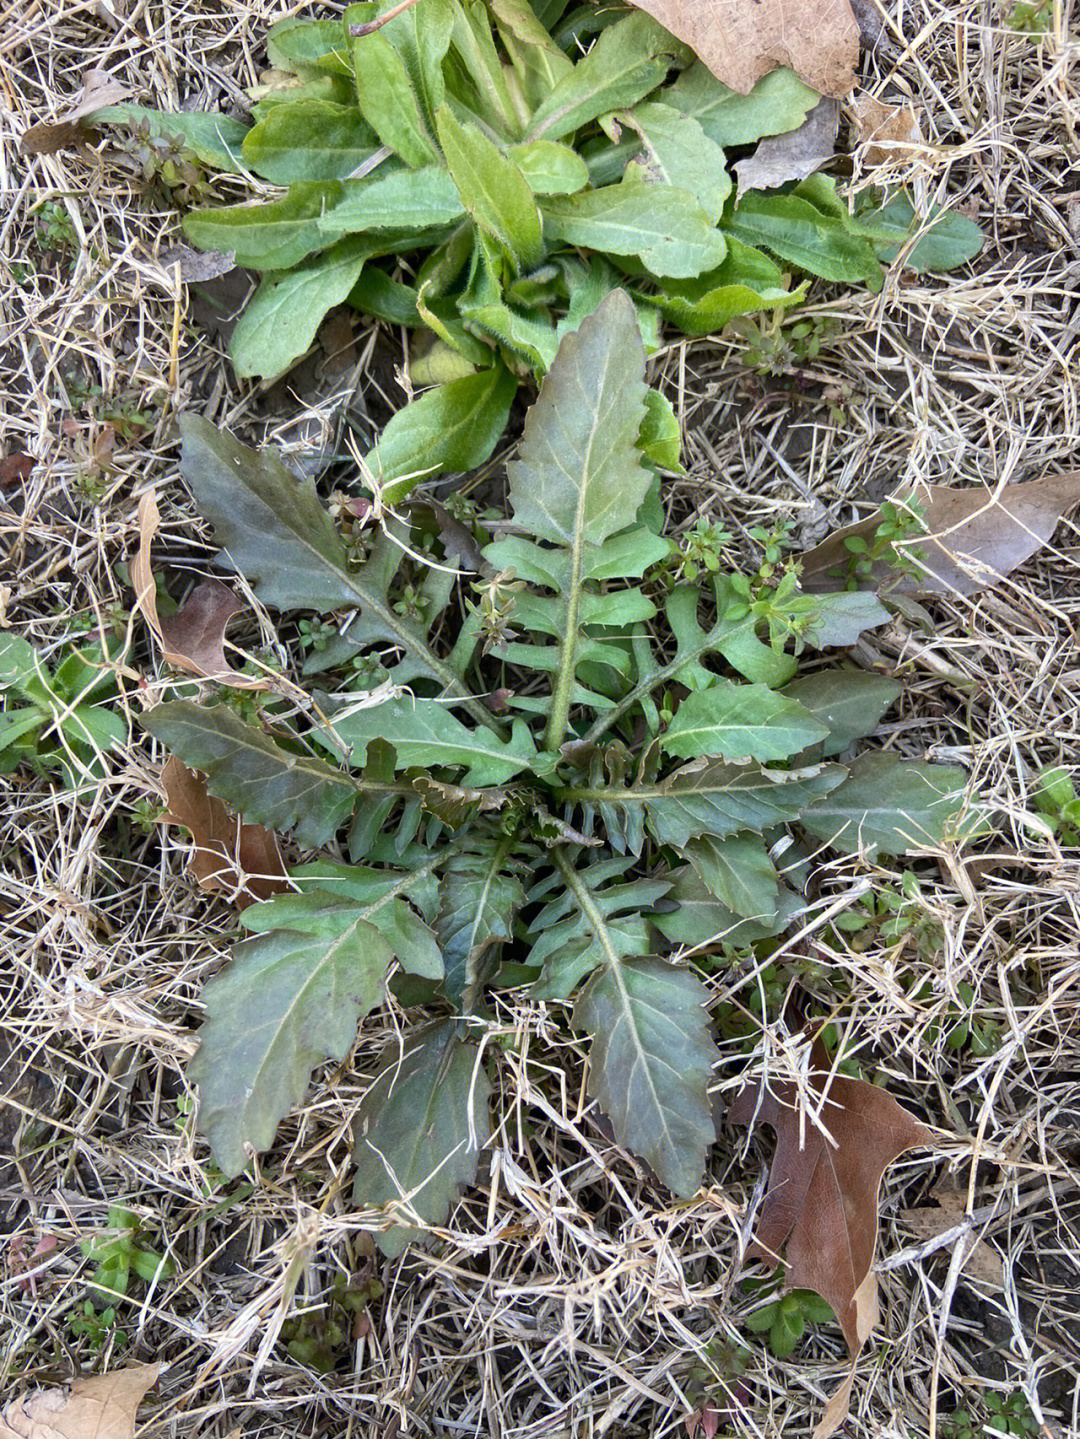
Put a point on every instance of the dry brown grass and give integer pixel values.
(569, 1297)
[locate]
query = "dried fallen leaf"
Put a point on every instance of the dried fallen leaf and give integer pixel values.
(982, 1262)
(243, 860)
(888, 132)
(973, 538)
(196, 265)
(193, 639)
(99, 89)
(15, 468)
(795, 155)
(818, 39)
(100, 1407)
(820, 1212)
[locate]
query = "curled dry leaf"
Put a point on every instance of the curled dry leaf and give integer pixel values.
(973, 538)
(982, 1262)
(741, 42)
(99, 1407)
(15, 468)
(820, 1212)
(196, 265)
(193, 639)
(243, 860)
(887, 132)
(99, 89)
(795, 155)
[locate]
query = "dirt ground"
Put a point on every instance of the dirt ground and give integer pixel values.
(570, 1296)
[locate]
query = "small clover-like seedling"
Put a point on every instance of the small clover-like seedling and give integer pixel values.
(1056, 799)
(784, 1319)
(573, 781)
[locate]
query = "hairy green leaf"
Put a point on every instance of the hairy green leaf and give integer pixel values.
(398, 200)
(214, 139)
(283, 316)
(308, 47)
(261, 781)
(942, 241)
(389, 102)
(740, 721)
(550, 168)
(538, 62)
(798, 232)
(669, 231)
(701, 919)
(630, 58)
(779, 102)
(421, 36)
(746, 281)
(271, 234)
(889, 806)
(678, 152)
(419, 1132)
(492, 189)
(309, 140)
(453, 427)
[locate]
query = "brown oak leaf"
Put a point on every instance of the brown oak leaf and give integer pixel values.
(974, 538)
(742, 40)
(243, 860)
(193, 639)
(99, 1407)
(820, 1213)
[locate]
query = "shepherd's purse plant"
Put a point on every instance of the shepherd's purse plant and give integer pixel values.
(572, 775)
(484, 172)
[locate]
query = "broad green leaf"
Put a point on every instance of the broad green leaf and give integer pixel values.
(287, 1001)
(702, 919)
(650, 1062)
(323, 913)
(779, 102)
(745, 282)
(737, 721)
(840, 618)
(889, 806)
(678, 152)
(578, 478)
(798, 232)
(365, 883)
(421, 36)
(537, 60)
(271, 234)
(404, 199)
(452, 427)
(284, 89)
(23, 669)
(375, 293)
(479, 897)
(309, 140)
(945, 239)
(425, 733)
(737, 870)
(590, 922)
(629, 60)
(276, 531)
(668, 230)
(474, 46)
(492, 189)
(848, 702)
(550, 168)
(706, 797)
(216, 140)
(308, 47)
(389, 102)
(282, 318)
(419, 1132)
(262, 782)
(659, 439)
